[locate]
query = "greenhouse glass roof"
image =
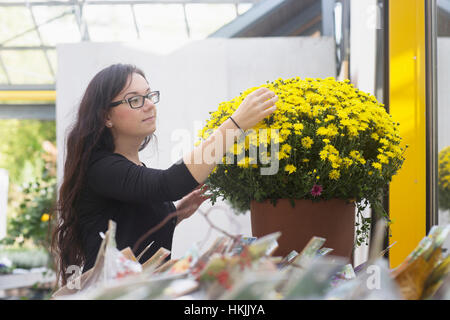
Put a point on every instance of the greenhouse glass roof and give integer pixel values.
(31, 30)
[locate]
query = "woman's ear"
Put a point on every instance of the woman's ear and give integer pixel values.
(108, 121)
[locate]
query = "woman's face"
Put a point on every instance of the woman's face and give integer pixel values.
(125, 121)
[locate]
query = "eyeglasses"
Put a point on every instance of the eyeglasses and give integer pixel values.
(138, 101)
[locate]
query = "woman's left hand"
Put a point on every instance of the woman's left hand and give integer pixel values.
(191, 202)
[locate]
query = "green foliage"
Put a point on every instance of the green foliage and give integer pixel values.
(21, 147)
(28, 153)
(25, 258)
(32, 222)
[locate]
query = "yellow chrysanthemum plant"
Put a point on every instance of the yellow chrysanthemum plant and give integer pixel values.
(326, 140)
(444, 178)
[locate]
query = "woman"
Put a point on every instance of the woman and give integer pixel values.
(105, 180)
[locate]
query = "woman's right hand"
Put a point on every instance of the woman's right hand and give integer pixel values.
(255, 107)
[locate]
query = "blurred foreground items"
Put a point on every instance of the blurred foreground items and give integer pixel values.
(244, 268)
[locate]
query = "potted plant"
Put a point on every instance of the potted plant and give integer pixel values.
(334, 147)
(444, 178)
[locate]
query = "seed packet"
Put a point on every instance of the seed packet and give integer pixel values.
(218, 274)
(436, 279)
(309, 252)
(411, 276)
(156, 260)
(254, 286)
(135, 288)
(264, 264)
(288, 259)
(315, 281)
(263, 246)
(347, 273)
(220, 245)
(180, 288)
(324, 251)
(128, 253)
(443, 291)
(238, 246)
(186, 262)
(438, 234)
(165, 266)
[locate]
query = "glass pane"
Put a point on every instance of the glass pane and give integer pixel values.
(110, 23)
(204, 19)
(3, 78)
(164, 25)
(53, 57)
(244, 7)
(443, 113)
(27, 67)
(15, 21)
(62, 28)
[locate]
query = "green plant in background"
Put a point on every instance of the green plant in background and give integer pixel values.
(33, 220)
(28, 152)
(444, 178)
(25, 258)
(21, 148)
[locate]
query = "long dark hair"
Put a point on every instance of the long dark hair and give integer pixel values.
(88, 133)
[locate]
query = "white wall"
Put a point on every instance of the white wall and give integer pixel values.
(364, 21)
(192, 81)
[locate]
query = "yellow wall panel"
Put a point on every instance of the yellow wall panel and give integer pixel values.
(407, 203)
(21, 95)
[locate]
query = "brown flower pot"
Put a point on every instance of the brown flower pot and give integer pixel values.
(333, 220)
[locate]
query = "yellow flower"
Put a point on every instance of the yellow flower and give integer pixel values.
(382, 158)
(286, 148)
(329, 131)
(347, 162)
(298, 126)
(377, 165)
(285, 151)
(329, 118)
(322, 131)
(307, 142)
(334, 174)
(290, 168)
(45, 217)
(243, 163)
(323, 155)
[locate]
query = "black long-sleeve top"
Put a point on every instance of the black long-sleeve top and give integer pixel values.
(137, 198)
